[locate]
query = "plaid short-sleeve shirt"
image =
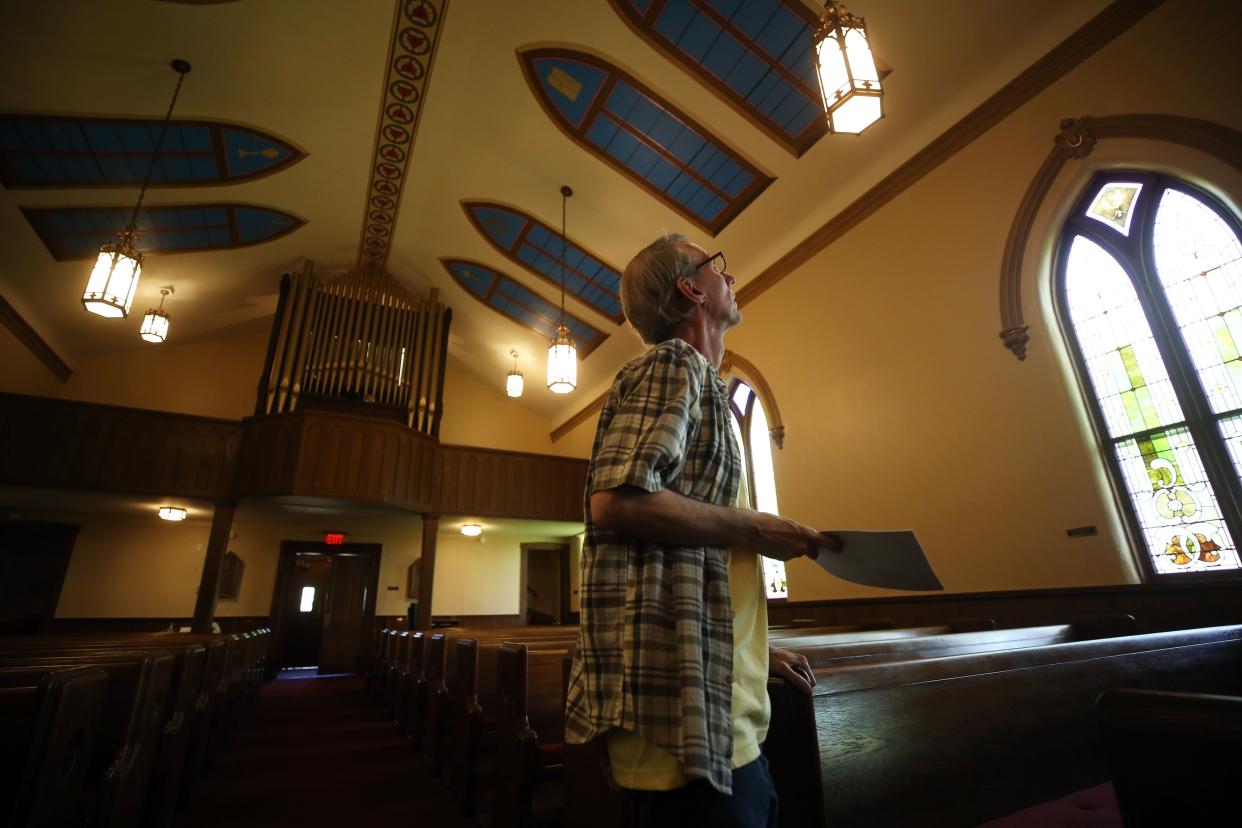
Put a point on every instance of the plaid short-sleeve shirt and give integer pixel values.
(655, 647)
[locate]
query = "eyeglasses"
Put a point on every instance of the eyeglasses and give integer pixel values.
(716, 260)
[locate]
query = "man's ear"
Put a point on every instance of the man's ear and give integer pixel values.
(691, 291)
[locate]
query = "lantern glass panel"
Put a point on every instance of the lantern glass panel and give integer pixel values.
(562, 366)
(112, 284)
(862, 62)
(857, 113)
(154, 327)
(834, 80)
(514, 384)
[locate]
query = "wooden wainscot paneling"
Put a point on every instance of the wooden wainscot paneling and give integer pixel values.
(322, 454)
(492, 483)
(73, 445)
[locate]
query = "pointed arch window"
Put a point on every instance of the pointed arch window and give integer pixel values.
(750, 429)
(1149, 292)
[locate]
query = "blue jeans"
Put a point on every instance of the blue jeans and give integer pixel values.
(753, 804)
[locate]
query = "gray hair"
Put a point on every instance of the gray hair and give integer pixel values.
(649, 295)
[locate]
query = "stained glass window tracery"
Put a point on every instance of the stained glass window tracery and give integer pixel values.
(1155, 320)
(750, 430)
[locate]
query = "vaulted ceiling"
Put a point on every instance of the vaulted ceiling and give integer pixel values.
(295, 114)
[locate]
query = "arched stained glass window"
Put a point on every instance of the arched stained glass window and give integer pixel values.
(750, 429)
(1150, 293)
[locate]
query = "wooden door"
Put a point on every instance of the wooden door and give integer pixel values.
(304, 610)
(34, 557)
(350, 602)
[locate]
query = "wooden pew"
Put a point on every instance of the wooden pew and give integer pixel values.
(530, 728)
(436, 701)
(214, 676)
(135, 709)
(1149, 736)
(169, 758)
(473, 704)
(417, 682)
(392, 682)
(48, 727)
(967, 738)
(847, 653)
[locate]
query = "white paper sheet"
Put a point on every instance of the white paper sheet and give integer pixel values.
(893, 560)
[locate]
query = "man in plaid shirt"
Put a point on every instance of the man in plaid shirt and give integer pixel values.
(673, 658)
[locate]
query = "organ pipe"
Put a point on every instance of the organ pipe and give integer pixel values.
(360, 336)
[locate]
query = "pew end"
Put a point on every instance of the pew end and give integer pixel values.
(1148, 733)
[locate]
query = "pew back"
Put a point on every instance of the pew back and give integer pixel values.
(963, 739)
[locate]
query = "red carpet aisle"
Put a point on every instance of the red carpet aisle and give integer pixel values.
(319, 752)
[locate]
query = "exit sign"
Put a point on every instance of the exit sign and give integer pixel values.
(334, 538)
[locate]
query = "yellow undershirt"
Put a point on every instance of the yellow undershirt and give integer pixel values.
(640, 765)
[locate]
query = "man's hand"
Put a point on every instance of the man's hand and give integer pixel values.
(793, 666)
(783, 539)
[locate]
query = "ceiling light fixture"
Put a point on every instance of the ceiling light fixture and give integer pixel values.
(111, 287)
(562, 353)
(848, 80)
(514, 382)
(155, 323)
(175, 513)
(471, 530)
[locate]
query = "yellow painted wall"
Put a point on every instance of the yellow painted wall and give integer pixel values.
(480, 415)
(134, 569)
(475, 578)
(211, 378)
(21, 372)
(138, 567)
(902, 408)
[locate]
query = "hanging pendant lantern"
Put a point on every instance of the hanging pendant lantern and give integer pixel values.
(848, 80)
(562, 353)
(114, 281)
(562, 362)
(155, 323)
(111, 287)
(514, 383)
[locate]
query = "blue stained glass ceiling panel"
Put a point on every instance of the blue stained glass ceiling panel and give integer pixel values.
(53, 151)
(756, 54)
(77, 232)
(643, 136)
(519, 304)
(536, 246)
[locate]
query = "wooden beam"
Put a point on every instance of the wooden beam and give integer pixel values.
(29, 337)
(427, 577)
(217, 543)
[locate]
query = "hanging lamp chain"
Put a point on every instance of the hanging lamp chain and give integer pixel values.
(182, 68)
(565, 191)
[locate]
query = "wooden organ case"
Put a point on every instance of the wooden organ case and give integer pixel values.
(357, 343)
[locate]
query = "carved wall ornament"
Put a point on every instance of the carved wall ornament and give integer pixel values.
(1076, 137)
(1075, 141)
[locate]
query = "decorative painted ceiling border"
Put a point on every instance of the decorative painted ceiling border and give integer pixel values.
(581, 133)
(416, 29)
(267, 146)
(523, 234)
(776, 426)
(643, 24)
(37, 345)
(39, 220)
(1076, 140)
(1082, 44)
